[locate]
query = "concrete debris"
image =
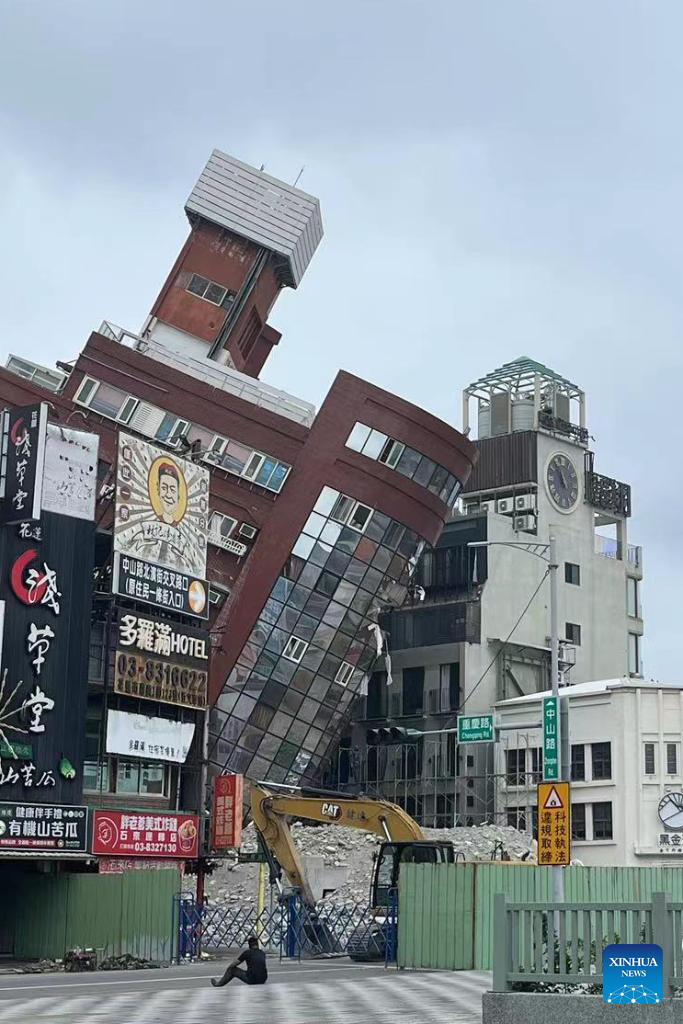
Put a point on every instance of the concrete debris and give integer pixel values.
(347, 848)
(128, 962)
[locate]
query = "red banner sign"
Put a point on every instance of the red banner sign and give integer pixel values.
(228, 793)
(129, 834)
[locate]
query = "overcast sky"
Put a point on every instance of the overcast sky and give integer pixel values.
(497, 179)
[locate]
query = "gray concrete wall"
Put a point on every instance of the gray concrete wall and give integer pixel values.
(540, 1007)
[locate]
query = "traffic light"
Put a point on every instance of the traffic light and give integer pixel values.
(390, 735)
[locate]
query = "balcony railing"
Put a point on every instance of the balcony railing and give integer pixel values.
(224, 378)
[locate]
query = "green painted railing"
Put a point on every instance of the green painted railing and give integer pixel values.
(446, 911)
(559, 944)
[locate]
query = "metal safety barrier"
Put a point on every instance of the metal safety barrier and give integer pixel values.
(288, 928)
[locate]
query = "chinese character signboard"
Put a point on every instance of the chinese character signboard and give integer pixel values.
(43, 828)
(70, 475)
(554, 823)
(551, 753)
(228, 795)
(162, 507)
(46, 586)
(670, 842)
(475, 729)
(119, 865)
(23, 453)
(160, 739)
(173, 591)
(161, 660)
(132, 834)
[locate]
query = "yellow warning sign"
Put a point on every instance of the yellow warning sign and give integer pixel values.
(553, 801)
(554, 823)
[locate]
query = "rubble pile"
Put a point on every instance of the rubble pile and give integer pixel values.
(234, 883)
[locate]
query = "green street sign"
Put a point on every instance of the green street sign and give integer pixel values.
(475, 729)
(551, 753)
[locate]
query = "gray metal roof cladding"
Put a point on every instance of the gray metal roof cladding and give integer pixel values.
(260, 208)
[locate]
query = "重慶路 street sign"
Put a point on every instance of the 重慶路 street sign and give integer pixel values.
(554, 824)
(475, 729)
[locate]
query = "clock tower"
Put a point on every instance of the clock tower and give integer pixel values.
(535, 478)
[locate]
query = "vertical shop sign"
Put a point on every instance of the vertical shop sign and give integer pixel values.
(23, 454)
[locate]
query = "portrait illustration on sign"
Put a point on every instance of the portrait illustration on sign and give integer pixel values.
(162, 506)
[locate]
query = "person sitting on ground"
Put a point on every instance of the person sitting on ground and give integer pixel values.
(256, 972)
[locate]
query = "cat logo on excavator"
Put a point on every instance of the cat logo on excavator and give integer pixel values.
(332, 811)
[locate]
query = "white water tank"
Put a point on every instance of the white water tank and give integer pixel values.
(523, 414)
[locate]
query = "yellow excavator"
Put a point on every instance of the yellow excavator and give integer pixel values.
(272, 807)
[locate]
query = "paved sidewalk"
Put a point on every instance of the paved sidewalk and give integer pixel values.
(313, 993)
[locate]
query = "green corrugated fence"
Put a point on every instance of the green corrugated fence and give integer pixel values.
(128, 913)
(446, 910)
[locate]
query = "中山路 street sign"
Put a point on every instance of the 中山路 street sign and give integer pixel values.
(551, 753)
(554, 823)
(475, 729)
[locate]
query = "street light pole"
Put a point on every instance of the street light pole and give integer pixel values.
(547, 553)
(558, 873)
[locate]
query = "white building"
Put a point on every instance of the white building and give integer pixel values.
(478, 631)
(626, 775)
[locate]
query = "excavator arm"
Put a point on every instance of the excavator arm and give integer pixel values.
(272, 807)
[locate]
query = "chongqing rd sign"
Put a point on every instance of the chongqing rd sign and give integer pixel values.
(554, 823)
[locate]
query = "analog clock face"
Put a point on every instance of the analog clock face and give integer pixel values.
(670, 810)
(562, 482)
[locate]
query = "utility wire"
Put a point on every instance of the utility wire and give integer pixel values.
(505, 641)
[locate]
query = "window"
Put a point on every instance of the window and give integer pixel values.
(514, 767)
(95, 777)
(413, 691)
(127, 409)
(407, 461)
(145, 779)
(537, 764)
(516, 818)
(578, 821)
(572, 573)
(106, 400)
(171, 429)
(578, 768)
(632, 598)
(264, 470)
(377, 695)
(344, 673)
(449, 687)
(572, 633)
(634, 666)
(672, 759)
(391, 453)
(295, 649)
(351, 512)
(650, 762)
(602, 821)
(97, 653)
(601, 760)
(220, 526)
(209, 290)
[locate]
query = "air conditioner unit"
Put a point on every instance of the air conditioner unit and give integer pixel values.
(525, 503)
(487, 506)
(525, 523)
(505, 506)
(248, 531)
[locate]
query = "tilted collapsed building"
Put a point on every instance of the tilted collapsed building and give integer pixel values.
(316, 519)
